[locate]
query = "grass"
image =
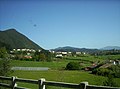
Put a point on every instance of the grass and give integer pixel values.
(52, 65)
(61, 76)
(55, 64)
(55, 74)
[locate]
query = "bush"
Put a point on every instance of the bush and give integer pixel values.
(115, 70)
(101, 71)
(110, 82)
(73, 66)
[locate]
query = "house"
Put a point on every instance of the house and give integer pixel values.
(78, 53)
(64, 53)
(116, 62)
(59, 56)
(18, 49)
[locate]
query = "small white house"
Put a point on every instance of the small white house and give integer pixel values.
(59, 56)
(64, 53)
(116, 62)
(78, 53)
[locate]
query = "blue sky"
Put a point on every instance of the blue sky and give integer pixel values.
(58, 23)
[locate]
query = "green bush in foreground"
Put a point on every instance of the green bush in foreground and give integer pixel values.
(73, 66)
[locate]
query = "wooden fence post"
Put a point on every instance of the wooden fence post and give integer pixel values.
(83, 85)
(40, 82)
(13, 83)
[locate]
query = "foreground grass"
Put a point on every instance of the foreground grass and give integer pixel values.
(61, 76)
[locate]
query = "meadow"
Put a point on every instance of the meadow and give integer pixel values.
(58, 63)
(57, 72)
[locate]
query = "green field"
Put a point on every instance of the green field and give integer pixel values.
(57, 72)
(51, 65)
(61, 76)
(59, 64)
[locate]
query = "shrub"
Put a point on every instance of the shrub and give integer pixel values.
(115, 70)
(110, 82)
(73, 66)
(101, 71)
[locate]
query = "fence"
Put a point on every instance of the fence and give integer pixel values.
(41, 83)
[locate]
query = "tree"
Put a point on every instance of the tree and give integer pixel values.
(48, 55)
(5, 67)
(42, 57)
(3, 52)
(73, 66)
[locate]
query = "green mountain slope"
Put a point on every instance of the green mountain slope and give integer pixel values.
(16, 40)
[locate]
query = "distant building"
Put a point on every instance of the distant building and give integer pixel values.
(59, 56)
(78, 53)
(64, 53)
(116, 62)
(23, 49)
(18, 49)
(84, 53)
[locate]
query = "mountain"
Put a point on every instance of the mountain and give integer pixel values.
(14, 39)
(110, 48)
(74, 49)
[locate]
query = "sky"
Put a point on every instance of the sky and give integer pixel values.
(58, 23)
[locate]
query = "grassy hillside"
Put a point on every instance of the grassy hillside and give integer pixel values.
(17, 40)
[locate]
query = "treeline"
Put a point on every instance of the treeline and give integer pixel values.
(43, 55)
(106, 52)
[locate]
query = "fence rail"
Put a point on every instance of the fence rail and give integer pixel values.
(41, 83)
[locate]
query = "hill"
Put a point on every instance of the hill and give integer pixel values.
(110, 48)
(14, 39)
(73, 49)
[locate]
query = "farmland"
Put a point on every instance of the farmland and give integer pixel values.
(57, 72)
(61, 63)
(54, 64)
